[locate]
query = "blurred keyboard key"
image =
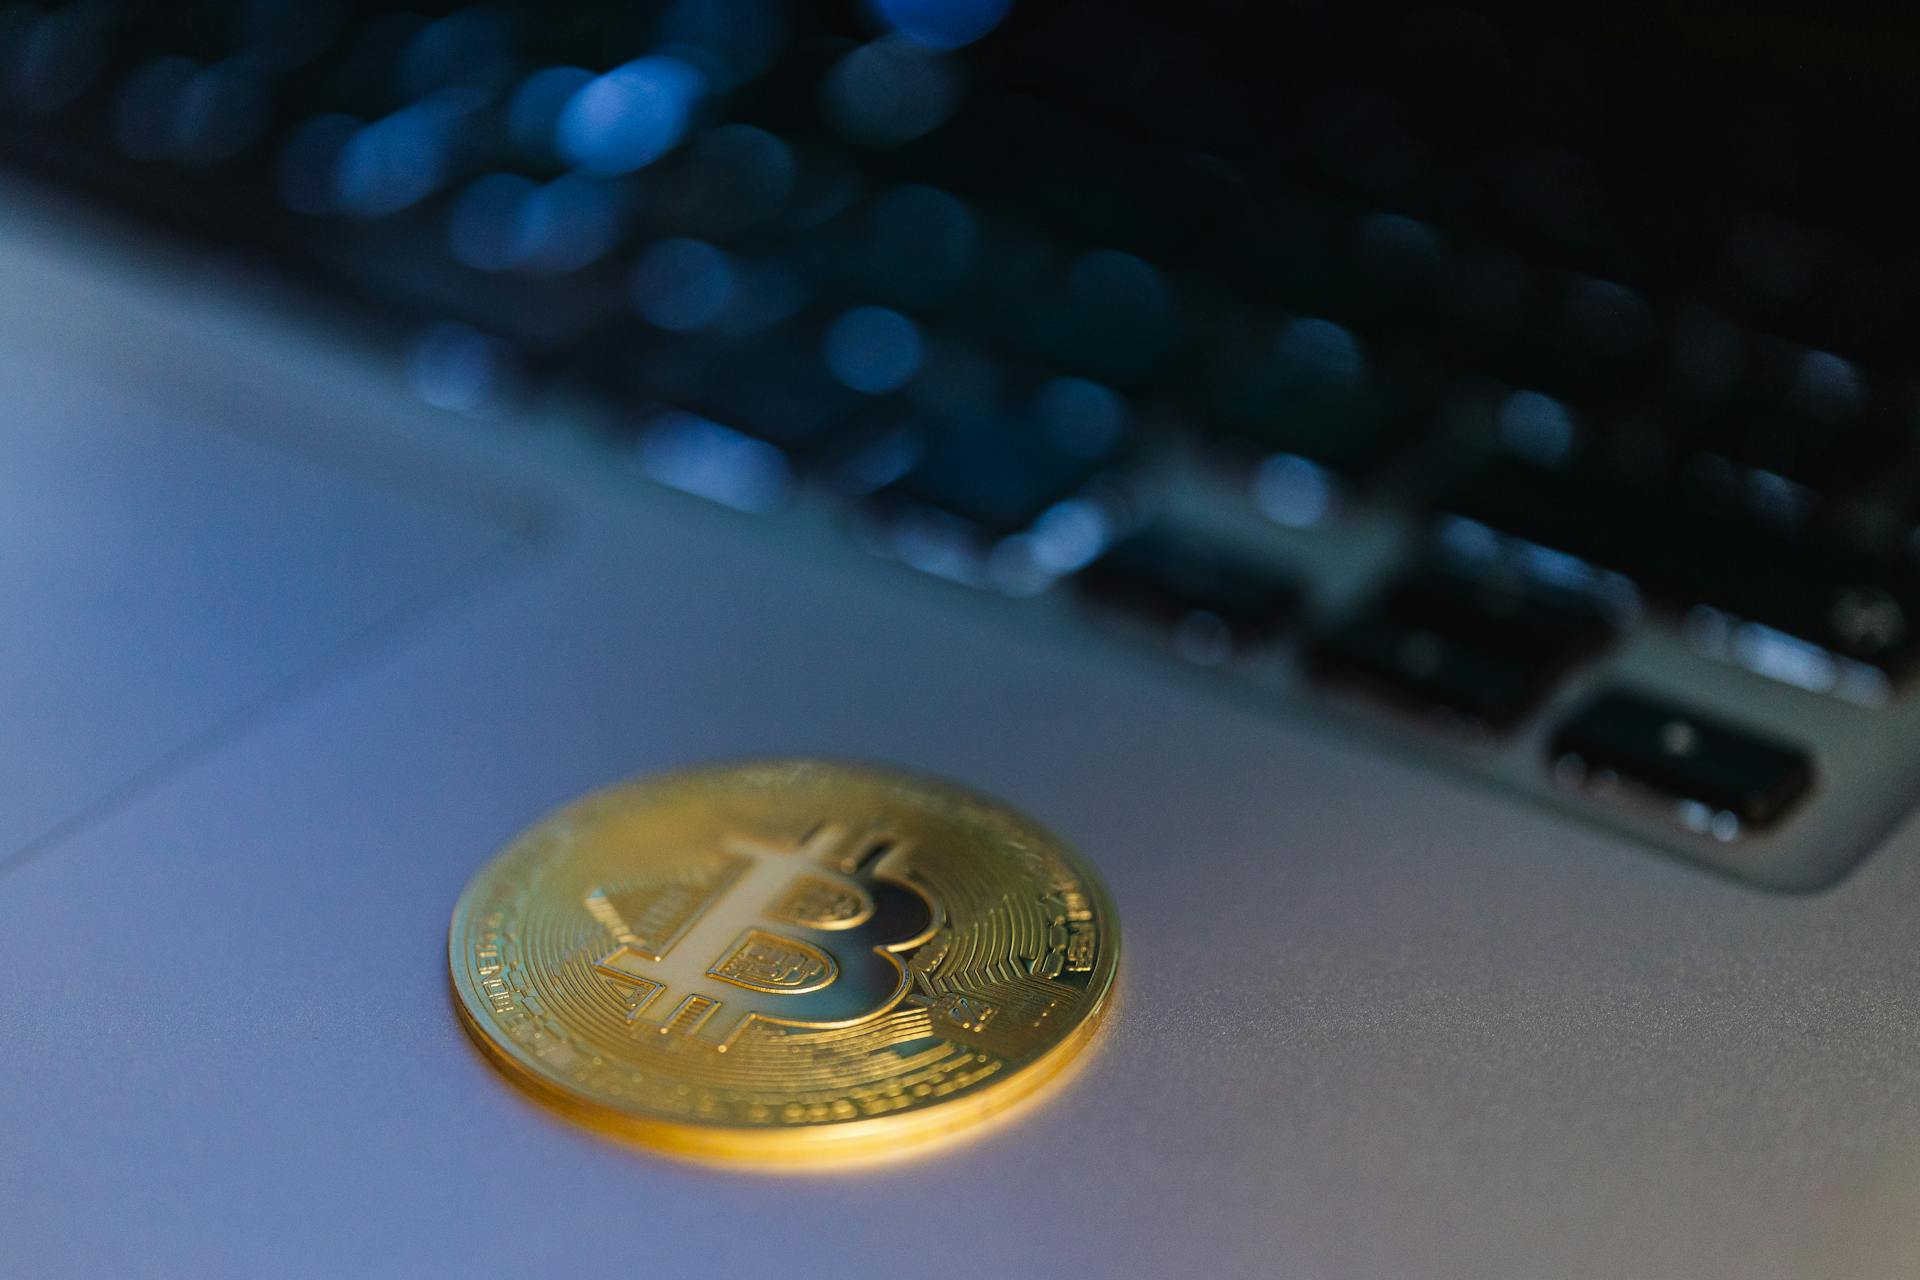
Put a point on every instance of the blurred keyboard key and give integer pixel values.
(766, 388)
(1426, 670)
(1684, 550)
(1486, 651)
(1198, 590)
(1313, 388)
(1549, 624)
(998, 474)
(1668, 748)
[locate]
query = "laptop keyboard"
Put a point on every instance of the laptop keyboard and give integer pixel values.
(1484, 650)
(1614, 328)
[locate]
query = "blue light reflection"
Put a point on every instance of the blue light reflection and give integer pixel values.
(631, 116)
(941, 24)
(872, 349)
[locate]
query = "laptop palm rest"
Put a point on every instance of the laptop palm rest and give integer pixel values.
(166, 575)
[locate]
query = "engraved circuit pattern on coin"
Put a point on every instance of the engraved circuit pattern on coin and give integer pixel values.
(784, 961)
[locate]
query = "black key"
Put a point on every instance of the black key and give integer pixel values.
(1487, 651)
(996, 472)
(1668, 748)
(773, 390)
(1807, 415)
(1180, 580)
(1314, 388)
(1546, 625)
(1102, 313)
(1422, 668)
(1684, 550)
(1609, 523)
(912, 247)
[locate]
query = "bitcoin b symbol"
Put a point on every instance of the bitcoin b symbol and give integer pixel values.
(808, 935)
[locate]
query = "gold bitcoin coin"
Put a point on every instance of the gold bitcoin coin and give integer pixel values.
(783, 962)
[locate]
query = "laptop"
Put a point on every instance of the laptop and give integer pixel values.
(1423, 498)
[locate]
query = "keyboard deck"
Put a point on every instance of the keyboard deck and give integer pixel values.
(1537, 398)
